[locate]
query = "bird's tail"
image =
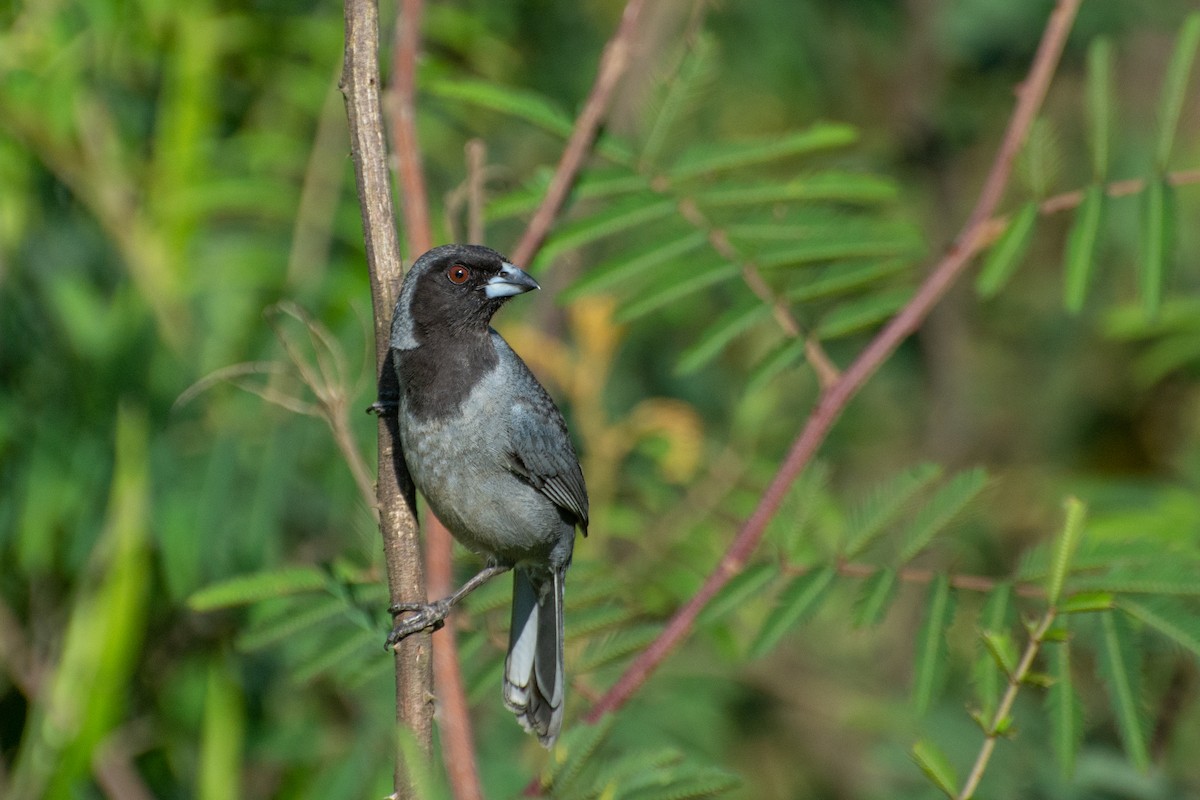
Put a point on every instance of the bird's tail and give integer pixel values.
(533, 669)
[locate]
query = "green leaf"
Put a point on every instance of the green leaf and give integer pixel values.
(720, 333)
(799, 599)
(943, 507)
(1168, 617)
(698, 278)
(1175, 88)
(584, 622)
(245, 589)
(870, 243)
(292, 621)
(1158, 237)
(1003, 651)
(222, 734)
(1173, 578)
(1081, 247)
(617, 646)
(1120, 668)
(522, 104)
(617, 218)
(936, 766)
(852, 316)
(1007, 253)
(788, 353)
(572, 752)
(1085, 602)
(740, 589)
(1068, 541)
(1099, 97)
(1064, 709)
(988, 676)
(843, 278)
(880, 508)
(683, 92)
(617, 270)
(846, 187)
(877, 593)
(931, 643)
(702, 162)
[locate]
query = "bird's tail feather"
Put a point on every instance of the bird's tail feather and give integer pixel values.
(533, 669)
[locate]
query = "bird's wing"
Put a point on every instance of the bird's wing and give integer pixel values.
(540, 452)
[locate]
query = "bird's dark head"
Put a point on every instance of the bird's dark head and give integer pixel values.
(454, 288)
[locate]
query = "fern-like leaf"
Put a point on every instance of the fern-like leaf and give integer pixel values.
(1099, 100)
(861, 313)
(1158, 235)
(1064, 709)
(704, 161)
(257, 586)
(870, 518)
(720, 333)
(625, 266)
(875, 598)
(947, 502)
(620, 217)
(1175, 88)
(987, 675)
(799, 599)
(617, 646)
(1068, 541)
(936, 766)
(931, 643)
(845, 187)
(572, 752)
(1007, 253)
(1081, 247)
(738, 591)
(1121, 669)
(1174, 620)
(676, 286)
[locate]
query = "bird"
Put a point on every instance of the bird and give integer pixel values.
(491, 454)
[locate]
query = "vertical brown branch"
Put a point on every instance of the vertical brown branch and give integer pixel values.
(613, 62)
(454, 719)
(394, 491)
(837, 396)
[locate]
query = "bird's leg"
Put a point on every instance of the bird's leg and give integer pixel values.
(433, 615)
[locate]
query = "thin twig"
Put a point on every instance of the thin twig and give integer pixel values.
(1068, 200)
(476, 152)
(393, 491)
(996, 726)
(836, 397)
(613, 61)
(454, 719)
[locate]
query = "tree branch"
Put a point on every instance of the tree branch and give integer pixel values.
(834, 400)
(394, 490)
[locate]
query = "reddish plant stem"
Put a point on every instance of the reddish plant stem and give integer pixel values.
(414, 199)
(454, 719)
(613, 62)
(834, 400)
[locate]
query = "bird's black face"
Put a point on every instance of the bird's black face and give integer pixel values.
(459, 287)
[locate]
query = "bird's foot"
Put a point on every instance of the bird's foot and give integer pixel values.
(383, 408)
(423, 617)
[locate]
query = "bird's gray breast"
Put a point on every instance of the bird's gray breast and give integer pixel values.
(460, 461)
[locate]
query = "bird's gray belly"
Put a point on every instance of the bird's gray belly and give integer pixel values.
(461, 470)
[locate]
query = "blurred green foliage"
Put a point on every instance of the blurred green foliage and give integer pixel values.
(190, 598)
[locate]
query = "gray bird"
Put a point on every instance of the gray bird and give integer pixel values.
(489, 451)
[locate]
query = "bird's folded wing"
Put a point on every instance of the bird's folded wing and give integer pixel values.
(540, 452)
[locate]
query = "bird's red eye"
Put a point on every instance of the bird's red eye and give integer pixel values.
(458, 274)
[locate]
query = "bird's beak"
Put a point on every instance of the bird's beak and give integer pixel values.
(510, 280)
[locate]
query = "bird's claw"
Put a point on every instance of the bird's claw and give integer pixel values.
(425, 616)
(383, 408)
